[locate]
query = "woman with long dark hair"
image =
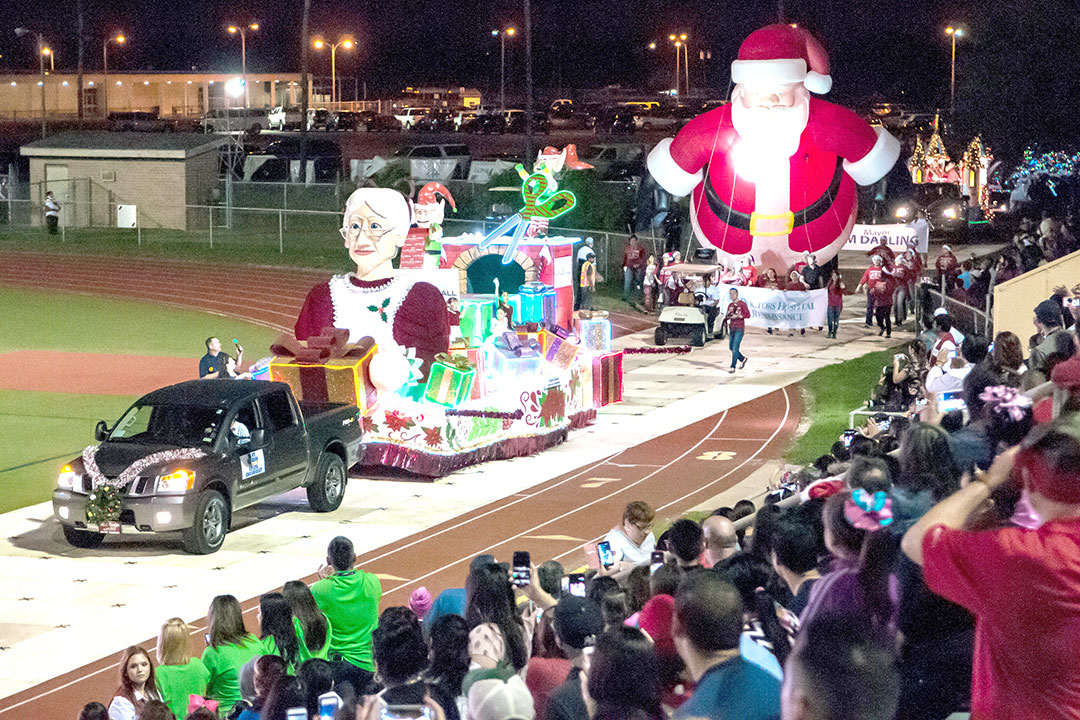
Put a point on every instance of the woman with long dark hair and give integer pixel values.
(623, 677)
(278, 634)
(449, 660)
(497, 632)
(927, 463)
(312, 627)
(231, 646)
(137, 685)
(860, 582)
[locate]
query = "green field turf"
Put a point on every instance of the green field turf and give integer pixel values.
(41, 430)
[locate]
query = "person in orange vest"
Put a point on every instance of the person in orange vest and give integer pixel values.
(589, 278)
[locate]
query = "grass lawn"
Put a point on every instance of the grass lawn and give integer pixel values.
(829, 395)
(43, 430)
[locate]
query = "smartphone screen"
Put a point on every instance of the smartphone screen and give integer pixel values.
(949, 401)
(328, 706)
(607, 557)
(656, 561)
(522, 570)
(296, 713)
(577, 584)
(207, 638)
(1071, 301)
(849, 437)
(885, 424)
(405, 712)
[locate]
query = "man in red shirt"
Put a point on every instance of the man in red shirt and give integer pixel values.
(878, 281)
(633, 263)
(1023, 586)
(946, 265)
(736, 316)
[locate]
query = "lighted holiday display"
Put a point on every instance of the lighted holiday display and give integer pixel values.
(540, 203)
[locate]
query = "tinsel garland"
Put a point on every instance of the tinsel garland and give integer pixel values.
(678, 350)
(516, 415)
(104, 502)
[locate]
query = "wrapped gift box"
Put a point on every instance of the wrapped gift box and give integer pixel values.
(558, 348)
(607, 377)
(594, 333)
(450, 380)
(528, 331)
(478, 359)
(476, 314)
(534, 298)
(514, 358)
(345, 380)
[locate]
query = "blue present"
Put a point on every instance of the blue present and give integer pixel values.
(537, 302)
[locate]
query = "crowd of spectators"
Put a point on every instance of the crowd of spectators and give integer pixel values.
(926, 564)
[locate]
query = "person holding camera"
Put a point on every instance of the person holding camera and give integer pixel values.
(212, 364)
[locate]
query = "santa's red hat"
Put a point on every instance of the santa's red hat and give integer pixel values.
(781, 54)
(428, 195)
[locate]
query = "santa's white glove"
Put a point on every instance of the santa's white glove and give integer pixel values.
(389, 371)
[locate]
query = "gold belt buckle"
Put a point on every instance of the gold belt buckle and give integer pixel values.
(762, 225)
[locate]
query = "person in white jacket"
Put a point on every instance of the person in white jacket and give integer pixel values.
(137, 685)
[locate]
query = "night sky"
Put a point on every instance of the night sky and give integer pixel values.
(1015, 70)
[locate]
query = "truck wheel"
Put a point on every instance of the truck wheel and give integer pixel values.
(82, 538)
(660, 335)
(328, 490)
(211, 523)
(697, 337)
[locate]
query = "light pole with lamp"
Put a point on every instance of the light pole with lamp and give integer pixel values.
(679, 41)
(47, 51)
(20, 32)
(242, 30)
(502, 35)
(119, 40)
(953, 33)
(345, 42)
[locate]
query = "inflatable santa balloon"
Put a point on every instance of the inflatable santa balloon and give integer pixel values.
(406, 318)
(773, 172)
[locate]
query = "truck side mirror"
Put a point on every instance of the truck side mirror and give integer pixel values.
(258, 439)
(101, 431)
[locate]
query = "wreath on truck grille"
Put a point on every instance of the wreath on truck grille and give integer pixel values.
(103, 504)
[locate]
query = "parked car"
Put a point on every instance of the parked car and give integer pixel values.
(382, 123)
(283, 445)
(485, 124)
(319, 119)
(408, 116)
(516, 123)
(460, 153)
(569, 117)
(249, 120)
(655, 119)
(139, 121)
(284, 118)
(346, 120)
(435, 122)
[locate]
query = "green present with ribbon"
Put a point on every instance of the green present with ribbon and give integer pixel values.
(450, 380)
(475, 317)
(476, 358)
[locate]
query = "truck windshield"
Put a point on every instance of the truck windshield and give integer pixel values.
(182, 425)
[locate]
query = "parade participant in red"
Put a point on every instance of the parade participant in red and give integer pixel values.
(770, 281)
(835, 290)
(398, 313)
(736, 316)
(774, 171)
(903, 270)
(423, 240)
(884, 251)
(947, 267)
(878, 281)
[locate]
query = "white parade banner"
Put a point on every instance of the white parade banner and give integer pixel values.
(867, 237)
(790, 309)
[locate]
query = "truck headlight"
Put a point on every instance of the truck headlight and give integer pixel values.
(179, 481)
(950, 212)
(67, 478)
(903, 211)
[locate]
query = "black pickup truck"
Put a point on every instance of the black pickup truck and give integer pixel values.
(198, 451)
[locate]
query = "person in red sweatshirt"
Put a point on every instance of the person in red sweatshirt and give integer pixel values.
(736, 316)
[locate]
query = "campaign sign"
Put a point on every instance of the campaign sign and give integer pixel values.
(252, 464)
(900, 237)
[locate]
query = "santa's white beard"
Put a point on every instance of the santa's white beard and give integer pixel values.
(774, 131)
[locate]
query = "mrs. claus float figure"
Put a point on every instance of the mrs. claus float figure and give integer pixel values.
(406, 318)
(773, 172)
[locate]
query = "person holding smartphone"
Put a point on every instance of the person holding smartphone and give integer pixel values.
(632, 541)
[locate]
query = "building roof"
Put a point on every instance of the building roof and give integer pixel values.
(134, 145)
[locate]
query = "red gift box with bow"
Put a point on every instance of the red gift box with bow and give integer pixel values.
(326, 368)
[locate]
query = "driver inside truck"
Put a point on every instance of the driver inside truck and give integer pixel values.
(239, 428)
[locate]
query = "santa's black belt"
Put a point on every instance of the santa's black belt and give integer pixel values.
(742, 220)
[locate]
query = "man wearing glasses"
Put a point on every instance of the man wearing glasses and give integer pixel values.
(632, 541)
(398, 313)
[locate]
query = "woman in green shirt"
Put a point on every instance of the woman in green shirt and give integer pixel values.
(278, 636)
(312, 626)
(230, 647)
(178, 674)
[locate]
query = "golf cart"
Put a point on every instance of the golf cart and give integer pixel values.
(687, 319)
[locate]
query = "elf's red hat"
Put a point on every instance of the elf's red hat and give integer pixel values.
(781, 54)
(428, 193)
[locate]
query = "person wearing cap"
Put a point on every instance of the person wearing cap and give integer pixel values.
(1048, 322)
(949, 373)
(583, 255)
(1021, 584)
(577, 621)
(589, 278)
(877, 279)
(946, 266)
(493, 698)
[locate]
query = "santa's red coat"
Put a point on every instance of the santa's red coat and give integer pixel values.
(836, 149)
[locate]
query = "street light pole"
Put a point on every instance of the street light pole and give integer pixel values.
(242, 30)
(345, 42)
(502, 64)
(954, 33)
(119, 40)
(20, 32)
